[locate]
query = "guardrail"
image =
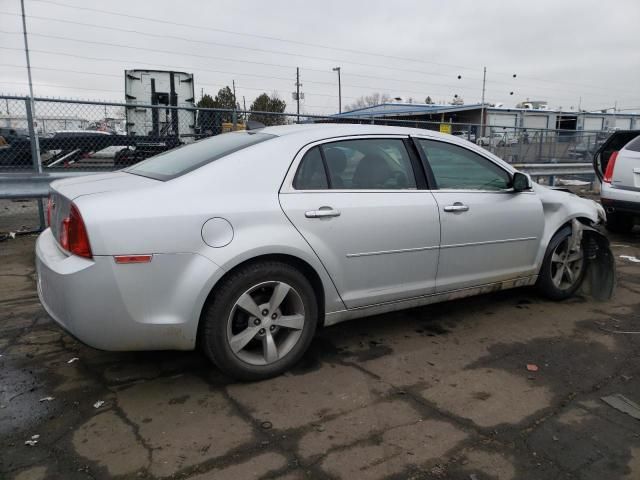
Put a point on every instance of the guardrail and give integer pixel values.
(32, 185)
(548, 169)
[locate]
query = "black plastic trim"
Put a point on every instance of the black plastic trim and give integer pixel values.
(416, 164)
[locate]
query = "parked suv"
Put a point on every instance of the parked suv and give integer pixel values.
(617, 165)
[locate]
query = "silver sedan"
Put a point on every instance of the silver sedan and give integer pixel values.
(247, 242)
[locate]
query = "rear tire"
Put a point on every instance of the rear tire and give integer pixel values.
(619, 222)
(563, 269)
(259, 321)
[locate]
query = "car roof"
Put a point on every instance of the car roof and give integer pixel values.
(312, 132)
(319, 131)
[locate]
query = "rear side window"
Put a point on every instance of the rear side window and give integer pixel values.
(633, 145)
(457, 168)
(177, 162)
(311, 174)
(367, 164)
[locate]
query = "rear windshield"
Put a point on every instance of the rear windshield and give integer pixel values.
(634, 145)
(176, 162)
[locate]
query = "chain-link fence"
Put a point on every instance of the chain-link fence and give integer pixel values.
(76, 136)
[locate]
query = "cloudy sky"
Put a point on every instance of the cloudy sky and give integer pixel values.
(570, 53)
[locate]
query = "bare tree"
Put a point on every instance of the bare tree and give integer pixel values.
(367, 101)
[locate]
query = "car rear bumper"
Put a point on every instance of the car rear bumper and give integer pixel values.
(151, 306)
(617, 200)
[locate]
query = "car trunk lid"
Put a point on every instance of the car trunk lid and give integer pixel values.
(64, 192)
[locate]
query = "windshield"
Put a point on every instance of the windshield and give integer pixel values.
(177, 162)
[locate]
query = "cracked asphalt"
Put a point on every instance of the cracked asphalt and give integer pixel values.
(435, 392)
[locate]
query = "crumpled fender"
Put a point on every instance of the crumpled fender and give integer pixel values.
(600, 278)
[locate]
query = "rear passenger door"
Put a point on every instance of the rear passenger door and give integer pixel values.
(489, 232)
(361, 204)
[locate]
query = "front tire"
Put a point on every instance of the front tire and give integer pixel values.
(259, 321)
(563, 268)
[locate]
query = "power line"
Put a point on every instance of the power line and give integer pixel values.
(307, 44)
(131, 47)
(371, 87)
(71, 39)
(173, 66)
(218, 44)
(262, 37)
(216, 85)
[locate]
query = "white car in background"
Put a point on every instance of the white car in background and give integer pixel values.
(497, 140)
(465, 135)
(245, 243)
(617, 164)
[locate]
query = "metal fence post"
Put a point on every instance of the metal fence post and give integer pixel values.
(540, 146)
(35, 151)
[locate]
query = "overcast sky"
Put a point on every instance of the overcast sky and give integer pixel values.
(569, 53)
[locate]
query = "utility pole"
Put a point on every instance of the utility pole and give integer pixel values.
(235, 114)
(337, 69)
(31, 116)
(235, 102)
(298, 92)
(484, 83)
(244, 107)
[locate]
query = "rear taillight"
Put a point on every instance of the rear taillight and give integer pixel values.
(608, 174)
(49, 208)
(73, 234)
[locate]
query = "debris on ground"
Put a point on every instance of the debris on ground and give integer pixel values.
(623, 404)
(12, 235)
(74, 359)
(266, 425)
(98, 404)
(570, 182)
(46, 399)
(628, 332)
(631, 258)
(33, 441)
(532, 367)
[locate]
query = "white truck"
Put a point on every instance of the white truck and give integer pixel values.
(162, 88)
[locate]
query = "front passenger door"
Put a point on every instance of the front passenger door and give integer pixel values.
(358, 204)
(489, 232)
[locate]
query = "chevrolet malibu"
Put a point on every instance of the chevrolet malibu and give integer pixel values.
(245, 243)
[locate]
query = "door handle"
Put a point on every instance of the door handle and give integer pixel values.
(456, 207)
(322, 212)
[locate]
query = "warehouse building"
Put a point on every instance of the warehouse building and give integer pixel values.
(497, 117)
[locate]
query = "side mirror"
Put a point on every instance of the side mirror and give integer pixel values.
(520, 182)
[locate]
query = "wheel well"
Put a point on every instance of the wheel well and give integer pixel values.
(583, 220)
(295, 262)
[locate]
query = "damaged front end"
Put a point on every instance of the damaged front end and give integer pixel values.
(600, 278)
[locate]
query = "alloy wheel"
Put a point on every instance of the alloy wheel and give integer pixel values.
(566, 265)
(265, 323)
